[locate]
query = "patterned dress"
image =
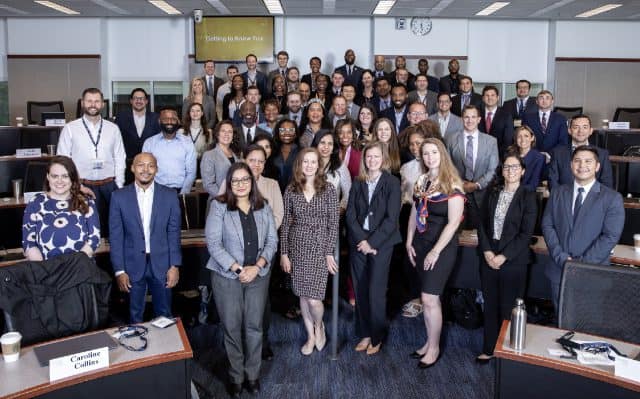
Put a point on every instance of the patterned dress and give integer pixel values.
(309, 232)
(49, 226)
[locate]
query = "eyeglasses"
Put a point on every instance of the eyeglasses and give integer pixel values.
(138, 98)
(511, 167)
(242, 181)
(287, 130)
(59, 177)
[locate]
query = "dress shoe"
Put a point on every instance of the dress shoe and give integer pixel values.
(253, 386)
(372, 350)
(416, 355)
(483, 358)
(321, 338)
(307, 348)
(422, 365)
(267, 353)
(234, 390)
(363, 344)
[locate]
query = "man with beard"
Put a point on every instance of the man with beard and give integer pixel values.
(249, 125)
(95, 146)
(305, 93)
(378, 64)
(136, 125)
(175, 153)
(294, 107)
(382, 99)
(398, 113)
(253, 77)
(351, 72)
(151, 261)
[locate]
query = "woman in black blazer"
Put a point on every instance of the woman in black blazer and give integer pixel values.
(372, 222)
(507, 224)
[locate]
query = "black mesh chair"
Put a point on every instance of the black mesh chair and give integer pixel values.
(631, 115)
(34, 176)
(104, 112)
(600, 300)
(568, 112)
(36, 108)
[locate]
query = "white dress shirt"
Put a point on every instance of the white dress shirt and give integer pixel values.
(139, 122)
(145, 204)
(75, 143)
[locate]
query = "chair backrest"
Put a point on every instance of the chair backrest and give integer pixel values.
(631, 115)
(600, 300)
(104, 112)
(568, 112)
(34, 176)
(36, 108)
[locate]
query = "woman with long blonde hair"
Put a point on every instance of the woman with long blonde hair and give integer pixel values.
(197, 94)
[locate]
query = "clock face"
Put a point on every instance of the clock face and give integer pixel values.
(420, 25)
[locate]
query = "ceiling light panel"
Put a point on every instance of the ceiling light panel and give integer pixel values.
(599, 10)
(492, 8)
(57, 7)
(383, 7)
(166, 7)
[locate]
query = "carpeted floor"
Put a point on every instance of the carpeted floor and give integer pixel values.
(390, 374)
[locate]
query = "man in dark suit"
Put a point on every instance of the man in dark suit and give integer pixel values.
(253, 77)
(144, 220)
(136, 125)
(378, 65)
(211, 81)
(450, 83)
(351, 72)
(382, 99)
(560, 167)
(495, 120)
(423, 68)
(248, 128)
(583, 220)
(398, 113)
(315, 63)
(475, 155)
(337, 79)
(403, 77)
(253, 96)
(549, 127)
(406, 79)
(522, 103)
(282, 69)
(467, 96)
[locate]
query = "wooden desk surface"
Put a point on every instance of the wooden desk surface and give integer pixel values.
(540, 338)
(26, 378)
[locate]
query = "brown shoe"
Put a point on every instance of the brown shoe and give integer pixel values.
(363, 344)
(372, 350)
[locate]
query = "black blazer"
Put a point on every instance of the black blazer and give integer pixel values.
(501, 128)
(456, 103)
(133, 143)
(511, 106)
(307, 79)
(517, 229)
(390, 113)
(383, 212)
(217, 82)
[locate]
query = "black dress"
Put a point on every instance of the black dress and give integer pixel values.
(436, 209)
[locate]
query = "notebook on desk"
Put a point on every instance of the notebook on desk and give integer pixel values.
(46, 352)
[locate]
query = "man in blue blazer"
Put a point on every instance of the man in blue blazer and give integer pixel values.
(560, 167)
(583, 220)
(144, 219)
(549, 127)
(136, 125)
(253, 77)
(522, 103)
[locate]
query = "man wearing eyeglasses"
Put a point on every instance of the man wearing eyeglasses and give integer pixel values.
(136, 125)
(448, 122)
(147, 262)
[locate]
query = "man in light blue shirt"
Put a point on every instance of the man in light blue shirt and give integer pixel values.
(175, 153)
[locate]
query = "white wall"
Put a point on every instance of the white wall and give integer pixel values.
(448, 37)
(54, 36)
(599, 39)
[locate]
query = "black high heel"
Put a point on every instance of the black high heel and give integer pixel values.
(422, 365)
(416, 355)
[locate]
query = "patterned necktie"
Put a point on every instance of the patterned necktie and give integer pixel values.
(210, 86)
(543, 122)
(578, 204)
(468, 160)
(487, 121)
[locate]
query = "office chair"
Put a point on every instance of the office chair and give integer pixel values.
(104, 112)
(600, 300)
(36, 108)
(568, 112)
(631, 115)
(34, 176)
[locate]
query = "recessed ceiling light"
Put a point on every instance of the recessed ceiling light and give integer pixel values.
(599, 10)
(493, 8)
(57, 7)
(217, 4)
(383, 7)
(166, 7)
(273, 6)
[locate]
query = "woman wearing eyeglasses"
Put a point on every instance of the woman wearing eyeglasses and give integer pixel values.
(507, 224)
(242, 240)
(62, 219)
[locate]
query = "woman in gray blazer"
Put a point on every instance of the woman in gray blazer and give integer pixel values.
(216, 162)
(242, 239)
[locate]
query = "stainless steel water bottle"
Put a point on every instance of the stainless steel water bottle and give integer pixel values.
(518, 325)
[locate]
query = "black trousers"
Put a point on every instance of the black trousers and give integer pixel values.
(370, 275)
(103, 199)
(500, 288)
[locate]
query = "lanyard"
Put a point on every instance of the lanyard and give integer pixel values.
(197, 136)
(94, 142)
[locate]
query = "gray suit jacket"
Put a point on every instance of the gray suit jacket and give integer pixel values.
(225, 239)
(431, 97)
(591, 238)
(486, 162)
(213, 168)
(454, 125)
(355, 110)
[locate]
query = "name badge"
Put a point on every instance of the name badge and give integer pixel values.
(97, 164)
(78, 363)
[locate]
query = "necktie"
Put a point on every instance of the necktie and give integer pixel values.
(521, 108)
(543, 122)
(487, 121)
(578, 204)
(468, 160)
(248, 136)
(348, 70)
(282, 72)
(465, 100)
(210, 86)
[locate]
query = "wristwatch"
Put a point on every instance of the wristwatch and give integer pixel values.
(238, 270)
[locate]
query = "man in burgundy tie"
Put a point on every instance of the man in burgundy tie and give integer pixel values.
(549, 126)
(496, 121)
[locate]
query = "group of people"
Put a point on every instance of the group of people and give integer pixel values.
(395, 158)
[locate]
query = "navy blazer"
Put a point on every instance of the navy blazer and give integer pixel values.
(456, 103)
(133, 143)
(557, 132)
(596, 231)
(501, 128)
(390, 113)
(434, 83)
(383, 211)
(560, 167)
(356, 74)
(126, 237)
(511, 106)
(517, 229)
